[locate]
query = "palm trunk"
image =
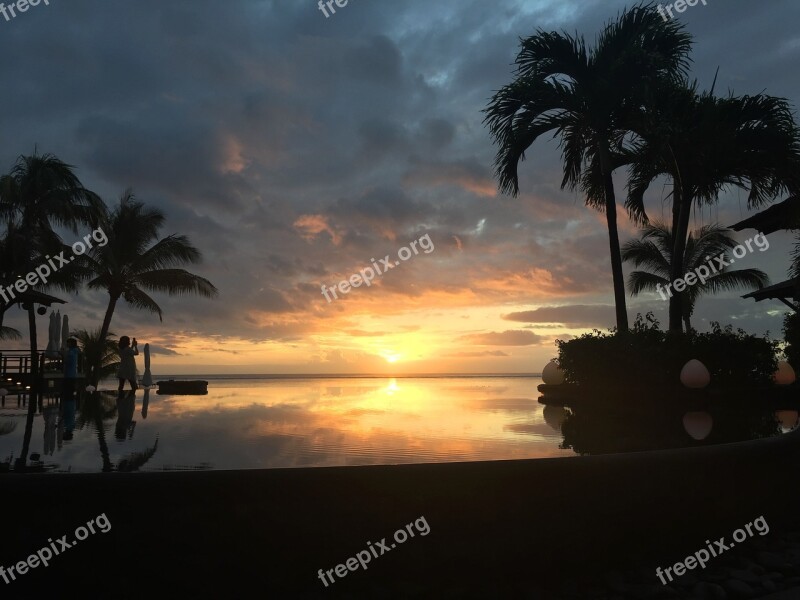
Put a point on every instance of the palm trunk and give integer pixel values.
(112, 303)
(95, 368)
(613, 242)
(680, 231)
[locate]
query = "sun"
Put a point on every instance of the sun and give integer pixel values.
(391, 358)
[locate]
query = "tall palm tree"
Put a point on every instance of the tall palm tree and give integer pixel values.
(45, 191)
(40, 192)
(706, 144)
(654, 252)
(585, 96)
(135, 261)
(794, 270)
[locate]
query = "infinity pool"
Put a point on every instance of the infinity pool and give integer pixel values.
(316, 422)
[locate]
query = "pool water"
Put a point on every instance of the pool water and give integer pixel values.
(254, 423)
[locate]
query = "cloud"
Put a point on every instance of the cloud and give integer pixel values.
(577, 315)
(506, 338)
(476, 354)
(469, 175)
(156, 349)
(309, 226)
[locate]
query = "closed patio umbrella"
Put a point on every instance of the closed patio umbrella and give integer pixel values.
(57, 334)
(64, 333)
(51, 348)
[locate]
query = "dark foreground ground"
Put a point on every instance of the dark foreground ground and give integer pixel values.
(593, 527)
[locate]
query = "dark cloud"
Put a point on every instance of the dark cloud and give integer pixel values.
(156, 349)
(567, 316)
(505, 338)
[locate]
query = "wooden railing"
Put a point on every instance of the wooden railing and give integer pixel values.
(16, 375)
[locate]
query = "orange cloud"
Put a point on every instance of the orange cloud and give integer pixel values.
(309, 226)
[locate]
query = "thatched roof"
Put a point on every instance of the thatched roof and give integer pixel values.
(784, 215)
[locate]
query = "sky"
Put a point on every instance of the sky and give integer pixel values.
(296, 149)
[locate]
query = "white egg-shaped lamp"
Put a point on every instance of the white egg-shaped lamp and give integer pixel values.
(695, 375)
(787, 419)
(554, 416)
(90, 388)
(698, 424)
(552, 374)
(785, 374)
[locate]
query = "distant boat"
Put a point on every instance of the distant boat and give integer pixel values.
(185, 387)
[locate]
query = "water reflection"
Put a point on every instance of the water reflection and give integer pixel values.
(698, 424)
(555, 416)
(314, 422)
(67, 421)
(126, 406)
(787, 419)
(145, 402)
(590, 430)
(331, 422)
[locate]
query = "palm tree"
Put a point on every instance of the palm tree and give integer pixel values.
(135, 261)
(654, 252)
(8, 271)
(40, 192)
(794, 270)
(585, 97)
(705, 145)
(100, 355)
(45, 191)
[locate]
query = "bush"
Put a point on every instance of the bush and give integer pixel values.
(791, 335)
(735, 357)
(599, 358)
(647, 357)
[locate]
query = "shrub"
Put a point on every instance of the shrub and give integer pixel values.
(734, 357)
(599, 358)
(647, 357)
(791, 335)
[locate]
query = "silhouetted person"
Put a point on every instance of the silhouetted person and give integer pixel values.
(127, 364)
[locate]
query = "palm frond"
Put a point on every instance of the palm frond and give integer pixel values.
(642, 281)
(176, 282)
